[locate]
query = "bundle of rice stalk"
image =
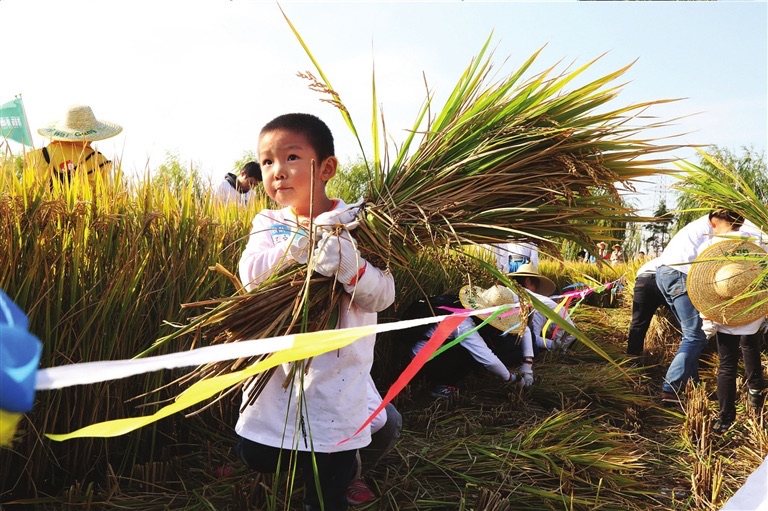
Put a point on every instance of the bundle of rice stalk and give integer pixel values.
(506, 158)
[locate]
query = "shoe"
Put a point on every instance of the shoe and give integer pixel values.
(670, 398)
(720, 427)
(359, 493)
(756, 398)
(445, 392)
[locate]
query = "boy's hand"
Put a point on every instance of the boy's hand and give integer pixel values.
(299, 248)
(326, 222)
(338, 255)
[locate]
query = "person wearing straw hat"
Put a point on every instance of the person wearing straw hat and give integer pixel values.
(69, 152)
(617, 255)
(546, 335)
(671, 276)
(720, 285)
(602, 252)
(496, 346)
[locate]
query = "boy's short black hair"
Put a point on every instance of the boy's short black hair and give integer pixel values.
(252, 169)
(734, 218)
(315, 130)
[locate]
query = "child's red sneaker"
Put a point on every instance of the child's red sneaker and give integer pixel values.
(358, 493)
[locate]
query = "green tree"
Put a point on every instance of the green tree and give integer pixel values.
(244, 158)
(173, 175)
(748, 164)
(659, 230)
(351, 181)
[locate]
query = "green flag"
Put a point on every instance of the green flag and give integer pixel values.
(13, 122)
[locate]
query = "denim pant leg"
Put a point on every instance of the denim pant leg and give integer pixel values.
(685, 365)
(727, 368)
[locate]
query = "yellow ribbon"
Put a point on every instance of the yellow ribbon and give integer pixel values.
(304, 346)
(8, 423)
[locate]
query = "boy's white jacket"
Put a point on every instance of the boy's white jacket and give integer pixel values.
(336, 384)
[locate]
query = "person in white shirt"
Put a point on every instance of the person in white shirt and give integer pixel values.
(510, 255)
(718, 277)
(491, 347)
(671, 274)
(240, 188)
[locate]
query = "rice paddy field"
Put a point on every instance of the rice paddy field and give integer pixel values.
(103, 272)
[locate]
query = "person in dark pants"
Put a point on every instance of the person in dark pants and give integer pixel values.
(646, 298)
(724, 271)
(730, 348)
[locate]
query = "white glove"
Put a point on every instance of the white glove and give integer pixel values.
(338, 255)
(526, 374)
(299, 248)
(325, 222)
(709, 327)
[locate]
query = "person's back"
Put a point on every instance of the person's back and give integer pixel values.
(684, 245)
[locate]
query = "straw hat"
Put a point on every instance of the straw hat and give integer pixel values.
(476, 298)
(546, 287)
(722, 272)
(80, 124)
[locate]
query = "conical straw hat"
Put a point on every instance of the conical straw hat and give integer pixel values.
(546, 287)
(476, 298)
(720, 274)
(79, 124)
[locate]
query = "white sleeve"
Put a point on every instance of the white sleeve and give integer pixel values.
(534, 256)
(480, 351)
(266, 250)
(374, 291)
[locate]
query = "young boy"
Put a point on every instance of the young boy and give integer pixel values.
(329, 402)
(240, 187)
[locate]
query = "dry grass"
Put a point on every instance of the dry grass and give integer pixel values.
(584, 437)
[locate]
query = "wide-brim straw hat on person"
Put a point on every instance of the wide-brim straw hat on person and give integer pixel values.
(79, 124)
(720, 274)
(546, 287)
(477, 298)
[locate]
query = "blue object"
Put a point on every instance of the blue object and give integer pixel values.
(19, 358)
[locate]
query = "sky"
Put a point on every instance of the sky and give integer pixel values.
(198, 78)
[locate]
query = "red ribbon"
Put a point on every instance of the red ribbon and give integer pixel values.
(444, 329)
